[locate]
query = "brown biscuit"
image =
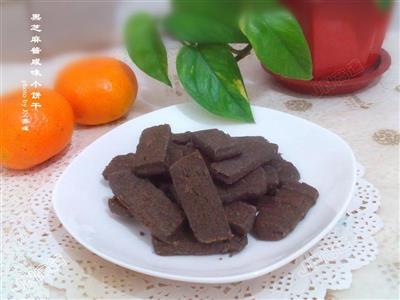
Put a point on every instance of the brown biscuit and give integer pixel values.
(282, 213)
(199, 199)
(118, 208)
(183, 242)
(250, 187)
(120, 163)
(152, 151)
(146, 203)
(255, 152)
(274, 221)
(300, 203)
(240, 216)
(182, 138)
(253, 138)
(177, 151)
(279, 214)
(215, 144)
(272, 179)
(287, 172)
(302, 188)
(295, 202)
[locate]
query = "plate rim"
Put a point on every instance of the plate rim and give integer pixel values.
(210, 279)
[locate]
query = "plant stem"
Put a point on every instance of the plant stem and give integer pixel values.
(184, 43)
(233, 50)
(243, 52)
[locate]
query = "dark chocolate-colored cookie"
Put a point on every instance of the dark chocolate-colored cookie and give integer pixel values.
(183, 242)
(146, 203)
(287, 172)
(250, 187)
(152, 151)
(278, 215)
(120, 163)
(177, 151)
(215, 144)
(272, 179)
(256, 151)
(302, 188)
(274, 221)
(240, 216)
(118, 208)
(182, 138)
(199, 198)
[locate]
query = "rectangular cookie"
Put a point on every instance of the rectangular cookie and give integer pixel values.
(240, 216)
(184, 243)
(274, 221)
(177, 151)
(151, 152)
(287, 172)
(298, 202)
(251, 138)
(199, 199)
(256, 151)
(120, 163)
(250, 187)
(302, 188)
(182, 138)
(118, 208)
(279, 214)
(215, 144)
(295, 202)
(272, 179)
(146, 203)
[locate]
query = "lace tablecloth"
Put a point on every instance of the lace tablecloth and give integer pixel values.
(41, 260)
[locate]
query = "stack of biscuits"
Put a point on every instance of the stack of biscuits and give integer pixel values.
(202, 192)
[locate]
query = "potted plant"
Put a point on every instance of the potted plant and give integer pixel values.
(215, 35)
(345, 40)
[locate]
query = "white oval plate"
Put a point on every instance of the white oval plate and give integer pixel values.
(323, 159)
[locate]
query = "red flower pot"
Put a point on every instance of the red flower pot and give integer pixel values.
(345, 37)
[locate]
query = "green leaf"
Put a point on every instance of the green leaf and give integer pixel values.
(210, 74)
(197, 28)
(145, 47)
(206, 21)
(278, 42)
(226, 11)
(384, 4)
